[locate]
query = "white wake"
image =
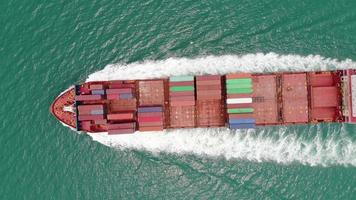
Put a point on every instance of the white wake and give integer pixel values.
(280, 146)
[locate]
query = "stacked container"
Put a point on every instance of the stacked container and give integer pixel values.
(88, 113)
(239, 91)
(121, 128)
(151, 92)
(182, 101)
(119, 94)
(209, 106)
(97, 89)
(150, 118)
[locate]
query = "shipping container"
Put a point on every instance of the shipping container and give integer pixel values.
(97, 112)
(210, 113)
(241, 116)
(181, 78)
(129, 125)
(209, 87)
(239, 110)
(182, 83)
(96, 86)
(149, 119)
(204, 83)
(242, 105)
(119, 91)
(120, 116)
(207, 77)
(182, 98)
(149, 109)
(125, 96)
(151, 124)
(181, 88)
(241, 126)
(88, 97)
(242, 121)
(100, 92)
(90, 117)
(239, 91)
(184, 93)
(90, 107)
(149, 114)
(239, 101)
(237, 75)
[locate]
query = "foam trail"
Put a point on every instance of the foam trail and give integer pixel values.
(270, 62)
(280, 146)
(252, 145)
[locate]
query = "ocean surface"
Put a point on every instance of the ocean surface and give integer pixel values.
(46, 46)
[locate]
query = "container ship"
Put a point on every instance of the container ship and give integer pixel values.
(234, 101)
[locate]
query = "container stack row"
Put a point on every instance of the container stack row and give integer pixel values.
(182, 101)
(209, 96)
(91, 114)
(122, 108)
(239, 91)
(150, 118)
(95, 92)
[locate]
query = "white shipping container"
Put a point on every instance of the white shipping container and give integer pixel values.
(238, 100)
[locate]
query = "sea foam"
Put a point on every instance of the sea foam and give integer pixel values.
(281, 146)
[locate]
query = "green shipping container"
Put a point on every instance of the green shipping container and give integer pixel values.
(239, 91)
(181, 88)
(235, 86)
(181, 78)
(242, 81)
(239, 110)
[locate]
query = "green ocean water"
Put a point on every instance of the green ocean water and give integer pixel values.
(46, 46)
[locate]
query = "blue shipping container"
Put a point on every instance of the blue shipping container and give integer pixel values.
(126, 96)
(97, 112)
(102, 92)
(241, 126)
(242, 121)
(149, 109)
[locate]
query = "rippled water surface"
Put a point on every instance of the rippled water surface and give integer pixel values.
(46, 46)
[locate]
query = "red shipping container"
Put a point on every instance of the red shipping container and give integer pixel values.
(88, 97)
(143, 124)
(119, 91)
(120, 116)
(112, 96)
(208, 87)
(237, 75)
(229, 96)
(182, 83)
(209, 97)
(120, 131)
(130, 125)
(96, 87)
(183, 98)
(85, 125)
(157, 128)
(208, 77)
(213, 82)
(209, 92)
(149, 119)
(84, 112)
(90, 117)
(184, 93)
(241, 116)
(90, 107)
(119, 86)
(182, 103)
(240, 105)
(149, 114)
